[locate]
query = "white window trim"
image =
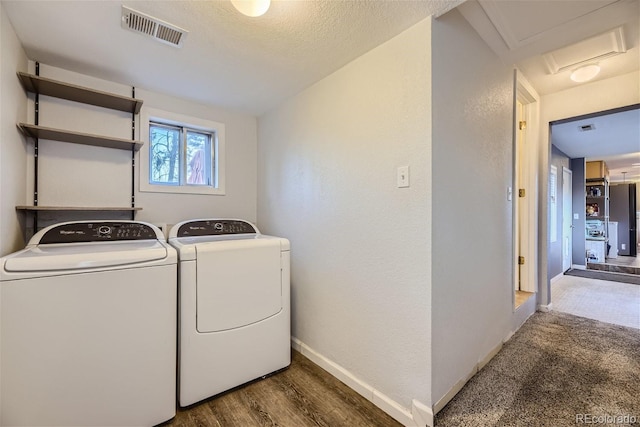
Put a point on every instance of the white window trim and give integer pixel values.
(154, 115)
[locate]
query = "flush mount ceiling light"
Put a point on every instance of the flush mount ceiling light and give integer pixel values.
(252, 8)
(585, 73)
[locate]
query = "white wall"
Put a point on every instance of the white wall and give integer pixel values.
(583, 99)
(472, 219)
(240, 200)
(361, 251)
(13, 148)
(72, 174)
(590, 98)
(12, 145)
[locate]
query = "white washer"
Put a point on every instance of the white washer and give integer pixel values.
(89, 324)
(234, 313)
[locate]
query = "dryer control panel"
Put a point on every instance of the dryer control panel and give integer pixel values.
(215, 227)
(78, 232)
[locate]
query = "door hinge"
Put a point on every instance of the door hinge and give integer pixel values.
(520, 260)
(522, 125)
(521, 192)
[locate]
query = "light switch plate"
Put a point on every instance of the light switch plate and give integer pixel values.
(403, 176)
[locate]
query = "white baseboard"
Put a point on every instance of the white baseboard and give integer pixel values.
(462, 382)
(556, 278)
(578, 267)
(453, 391)
(420, 414)
(490, 355)
(545, 308)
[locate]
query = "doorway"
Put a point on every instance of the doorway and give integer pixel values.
(603, 150)
(524, 193)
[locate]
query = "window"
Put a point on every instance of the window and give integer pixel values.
(181, 154)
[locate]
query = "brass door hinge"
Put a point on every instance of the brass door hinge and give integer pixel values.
(521, 192)
(520, 260)
(522, 125)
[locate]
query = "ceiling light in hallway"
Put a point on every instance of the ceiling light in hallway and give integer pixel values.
(585, 73)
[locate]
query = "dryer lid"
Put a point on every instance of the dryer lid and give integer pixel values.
(80, 256)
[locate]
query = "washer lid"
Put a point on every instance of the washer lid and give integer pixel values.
(79, 256)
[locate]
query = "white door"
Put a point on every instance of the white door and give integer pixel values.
(523, 196)
(525, 192)
(567, 218)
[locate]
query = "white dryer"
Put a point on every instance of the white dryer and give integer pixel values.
(89, 324)
(234, 306)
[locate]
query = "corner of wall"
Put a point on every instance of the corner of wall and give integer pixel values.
(418, 416)
(13, 145)
(422, 414)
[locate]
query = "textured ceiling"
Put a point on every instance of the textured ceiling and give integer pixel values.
(228, 59)
(615, 138)
(253, 64)
(521, 32)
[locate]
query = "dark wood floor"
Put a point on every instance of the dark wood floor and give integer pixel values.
(302, 395)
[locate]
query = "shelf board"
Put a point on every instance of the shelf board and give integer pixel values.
(78, 137)
(76, 208)
(58, 89)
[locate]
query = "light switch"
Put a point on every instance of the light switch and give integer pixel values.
(509, 194)
(403, 176)
(576, 216)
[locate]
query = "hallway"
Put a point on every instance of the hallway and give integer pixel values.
(611, 302)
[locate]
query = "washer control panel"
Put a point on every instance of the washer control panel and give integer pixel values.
(215, 227)
(78, 232)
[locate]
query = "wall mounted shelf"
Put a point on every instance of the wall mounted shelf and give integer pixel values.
(76, 208)
(49, 87)
(42, 132)
(38, 85)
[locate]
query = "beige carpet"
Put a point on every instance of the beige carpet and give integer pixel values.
(557, 370)
(610, 302)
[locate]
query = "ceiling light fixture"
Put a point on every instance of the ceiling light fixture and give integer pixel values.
(585, 73)
(252, 8)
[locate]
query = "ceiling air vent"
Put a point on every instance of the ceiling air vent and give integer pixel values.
(153, 27)
(585, 128)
